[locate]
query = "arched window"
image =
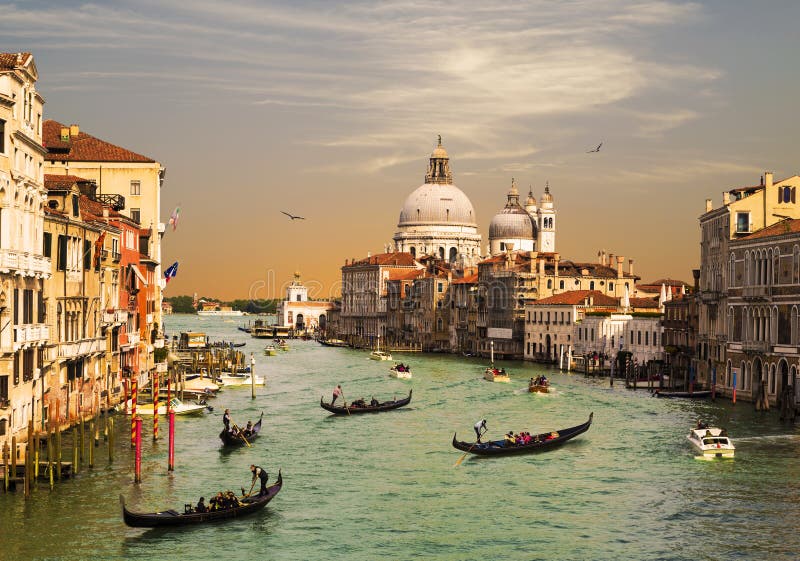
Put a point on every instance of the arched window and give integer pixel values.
(413, 251)
(591, 285)
(561, 284)
(549, 283)
(441, 253)
(453, 254)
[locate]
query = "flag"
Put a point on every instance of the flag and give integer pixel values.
(171, 271)
(173, 218)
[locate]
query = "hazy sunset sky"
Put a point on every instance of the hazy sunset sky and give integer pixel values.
(330, 110)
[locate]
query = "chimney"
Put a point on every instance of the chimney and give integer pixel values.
(64, 134)
(768, 179)
(610, 260)
(600, 257)
(369, 254)
(726, 198)
(709, 205)
(74, 130)
(620, 260)
(630, 267)
(603, 258)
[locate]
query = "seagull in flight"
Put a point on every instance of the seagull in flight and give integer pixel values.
(293, 217)
(596, 149)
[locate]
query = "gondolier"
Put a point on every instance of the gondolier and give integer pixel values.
(226, 420)
(337, 392)
(259, 472)
(480, 428)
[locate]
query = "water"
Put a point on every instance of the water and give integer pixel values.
(371, 486)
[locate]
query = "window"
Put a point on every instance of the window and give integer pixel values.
(87, 255)
(47, 244)
(440, 287)
(61, 263)
(136, 187)
(76, 210)
(2, 136)
(611, 286)
(742, 222)
(561, 285)
(136, 215)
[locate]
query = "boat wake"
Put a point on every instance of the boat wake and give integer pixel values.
(768, 437)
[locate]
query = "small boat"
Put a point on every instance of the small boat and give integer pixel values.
(230, 379)
(400, 371)
(494, 375)
(380, 355)
(247, 505)
(231, 438)
(198, 382)
(701, 394)
(541, 442)
(270, 350)
(333, 342)
(283, 346)
(712, 442)
(540, 384)
(179, 407)
(353, 410)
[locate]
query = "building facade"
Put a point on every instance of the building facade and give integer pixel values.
(300, 313)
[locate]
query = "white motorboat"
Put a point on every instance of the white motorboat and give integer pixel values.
(270, 350)
(380, 355)
(200, 383)
(712, 442)
(400, 371)
(176, 405)
(227, 380)
(494, 375)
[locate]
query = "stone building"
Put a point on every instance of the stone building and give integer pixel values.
(744, 210)
(300, 313)
(24, 265)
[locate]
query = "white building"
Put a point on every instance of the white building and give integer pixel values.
(438, 218)
(299, 312)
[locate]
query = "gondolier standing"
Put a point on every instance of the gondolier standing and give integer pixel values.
(263, 475)
(480, 428)
(226, 420)
(337, 392)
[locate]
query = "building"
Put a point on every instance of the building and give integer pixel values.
(762, 313)
(24, 262)
(464, 315)
(362, 319)
(300, 313)
(438, 219)
(744, 210)
(129, 182)
(680, 335)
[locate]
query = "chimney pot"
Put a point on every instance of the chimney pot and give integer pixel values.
(620, 260)
(630, 267)
(709, 205)
(726, 198)
(74, 130)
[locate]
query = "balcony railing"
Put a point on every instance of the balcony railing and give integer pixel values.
(31, 333)
(116, 256)
(755, 346)
(80, 348)
(24, 263)
(756, 292)
(117, 316)
(117, 202)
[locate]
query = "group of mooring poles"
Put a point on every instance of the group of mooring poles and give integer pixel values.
(136, 424)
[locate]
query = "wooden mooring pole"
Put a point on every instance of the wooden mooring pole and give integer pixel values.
(110, 431)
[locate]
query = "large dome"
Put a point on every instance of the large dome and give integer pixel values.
(443, 204)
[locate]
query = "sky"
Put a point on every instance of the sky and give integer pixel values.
(330, 110)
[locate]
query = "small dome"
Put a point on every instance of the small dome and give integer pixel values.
(439, 152)
(513, 222)
(531, 202)
(546, 196)
(443, 204)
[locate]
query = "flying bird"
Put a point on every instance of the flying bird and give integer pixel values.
(596, 149)
(293, 217)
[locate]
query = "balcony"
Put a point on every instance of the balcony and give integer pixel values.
(133, 338)
(755, 346)
(756, 292)
(116, 317)
(116, 256)
(117, 202)
(149, 319)
(77, 349)
(24, 263)
(31, 334)
(710, 296)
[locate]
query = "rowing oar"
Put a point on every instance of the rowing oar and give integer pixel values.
(240, 434)
(461, 459)
(345, 403)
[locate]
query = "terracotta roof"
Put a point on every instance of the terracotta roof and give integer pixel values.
(399, 259)
(84, 147)
(9, 61)
(93, 210)
(791, 225)
(578, 297)
(665, 282)
(404, 274)
(643, 303)
(62, 181)
(471, 279)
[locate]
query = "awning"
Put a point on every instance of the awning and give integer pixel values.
(138, 273)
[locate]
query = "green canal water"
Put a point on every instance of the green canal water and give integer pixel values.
(385, 486)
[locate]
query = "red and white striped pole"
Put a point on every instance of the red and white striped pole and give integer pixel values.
(134, 395)
(156, 383)
(137, 423)
(171, 416)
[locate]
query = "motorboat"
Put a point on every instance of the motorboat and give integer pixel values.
(402, 371)
(712, 442)
(175, 404)
(198, 382)
(333, 343)
(231, 379)
(380, 355)
(270, 350)
(492, 374)
(539, 384)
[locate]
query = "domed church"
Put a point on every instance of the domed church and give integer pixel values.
(438, 219)
(523, 229)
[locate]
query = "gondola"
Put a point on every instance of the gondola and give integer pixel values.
(233, 439)
(385, 406)
(701, 394)
(171, 517)
(499, 448)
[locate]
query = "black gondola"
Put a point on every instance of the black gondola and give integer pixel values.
(385, 406)
(248, 505)
(230, 438)
(701, 394)
(499, 448)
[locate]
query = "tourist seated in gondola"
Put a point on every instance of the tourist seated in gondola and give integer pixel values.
(509, 439)
(374, 402)
(248, 430)
(201, 505)
(359, 403)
